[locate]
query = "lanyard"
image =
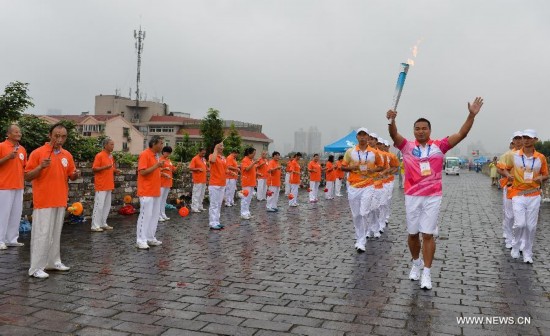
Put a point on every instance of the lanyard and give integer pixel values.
(420, 151)
(366, 156)
(523, 160)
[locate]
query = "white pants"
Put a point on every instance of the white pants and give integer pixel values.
(102, 206)
(508, 216)
(216, 194)
(148, 219)
(294, 191)
(163, 197)
(230, 187)
(313, 190)
(526, 216)
(330, 190)
(45, 238)
(287, 183)
(422, 213)
(197, 196)
(274, 198)
(338, 187)
(390, 197)
(359, 202)
(261, 189)
(245, 201)
(11, 207)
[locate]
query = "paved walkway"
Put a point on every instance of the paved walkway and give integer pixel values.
(294, 272)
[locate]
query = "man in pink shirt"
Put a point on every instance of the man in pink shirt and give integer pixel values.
(423, 159)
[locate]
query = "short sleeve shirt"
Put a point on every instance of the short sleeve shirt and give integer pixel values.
(274, 177)
(368, 158)
(415, 156)
(198, 162)
(295, 168)
(12, 170)
(248, 177)
(104, 180)
(148, 185)
(166, 182)
(524, 169)
(314, 176)
(217, 172)
(231, 162)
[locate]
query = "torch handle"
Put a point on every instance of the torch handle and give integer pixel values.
(399, 86)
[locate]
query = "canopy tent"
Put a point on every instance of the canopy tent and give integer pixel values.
(340, 146)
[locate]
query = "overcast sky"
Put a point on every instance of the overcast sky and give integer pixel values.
(291, 64)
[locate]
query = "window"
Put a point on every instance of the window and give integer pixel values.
(125, 147)
(161, 129)
(125, 132)
(92, 128)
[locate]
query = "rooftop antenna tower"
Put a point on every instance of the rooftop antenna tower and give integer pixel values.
(139, 36)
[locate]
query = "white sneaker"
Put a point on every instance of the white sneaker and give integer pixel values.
(154, 242)
(527, 260)
(40, 274)
(514, 254)
(161, 219)
(96, 229)
(142, 246)
(196, 211)
(360, 248)
(58, 267)
(426, 281)
(377, 235)
(508, 245)
(246, 216)
(107, 227)
(16, 244)
(166, 218)
(3, 246)
(415, 270)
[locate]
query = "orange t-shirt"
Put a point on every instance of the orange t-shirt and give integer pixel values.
(104, 180)
(198, 162)
(50, 189)
(248, 178)
(169, 170)
(331, 172)
(339, 172)
(316, 175)
(231, 162)
(274, 177)
(261, 169)
(12, 171)
(218, 172)
(294, 171)
(367, 159)
(148, 185)
(394, 163)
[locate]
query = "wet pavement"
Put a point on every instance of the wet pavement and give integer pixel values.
(292, 272)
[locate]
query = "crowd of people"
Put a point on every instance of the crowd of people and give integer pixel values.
(367, 170)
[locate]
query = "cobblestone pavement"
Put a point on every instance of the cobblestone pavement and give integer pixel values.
(293, 272)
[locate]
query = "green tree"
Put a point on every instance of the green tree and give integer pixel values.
(34, 130)
(543, 147)
(233, 141)
(185, 151)
(13, 103)
(211, 129)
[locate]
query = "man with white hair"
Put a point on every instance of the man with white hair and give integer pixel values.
(527, 169)
(13, 158)
(362, 162)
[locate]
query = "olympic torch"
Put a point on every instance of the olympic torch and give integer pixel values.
(404, 67)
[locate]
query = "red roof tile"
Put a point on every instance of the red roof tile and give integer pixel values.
(195, 132)
(170, 119)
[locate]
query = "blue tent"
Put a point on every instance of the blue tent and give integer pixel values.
(340, 146)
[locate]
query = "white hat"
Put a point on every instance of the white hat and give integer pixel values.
(517, 134)
(380, 140)
(386, 143)
(362, 129)
(373, 135)
(530, 133)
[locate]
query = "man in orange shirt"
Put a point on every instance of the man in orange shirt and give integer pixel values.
(216, 187)
(13, 158)
(248, 180)
(261, 174)
(148, 183)
(49, 168)
(231, 178)
(273, 182)
(104, 170)
(314, 169)
(166, 179)
(287, 176)
(330, 177)
(295, 178)
(339, 176)
(198, 170)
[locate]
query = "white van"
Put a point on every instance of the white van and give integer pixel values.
(452, 165)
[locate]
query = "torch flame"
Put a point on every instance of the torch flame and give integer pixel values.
(410, 62)
(414, 50)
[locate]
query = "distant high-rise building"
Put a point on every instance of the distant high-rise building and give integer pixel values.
(313, 140)
(300, 140)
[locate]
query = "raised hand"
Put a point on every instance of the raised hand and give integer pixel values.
(475, 106)
(391, 114)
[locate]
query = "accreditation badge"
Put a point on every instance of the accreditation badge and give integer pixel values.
(363, 167)
(528, 176)
(425, 169)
